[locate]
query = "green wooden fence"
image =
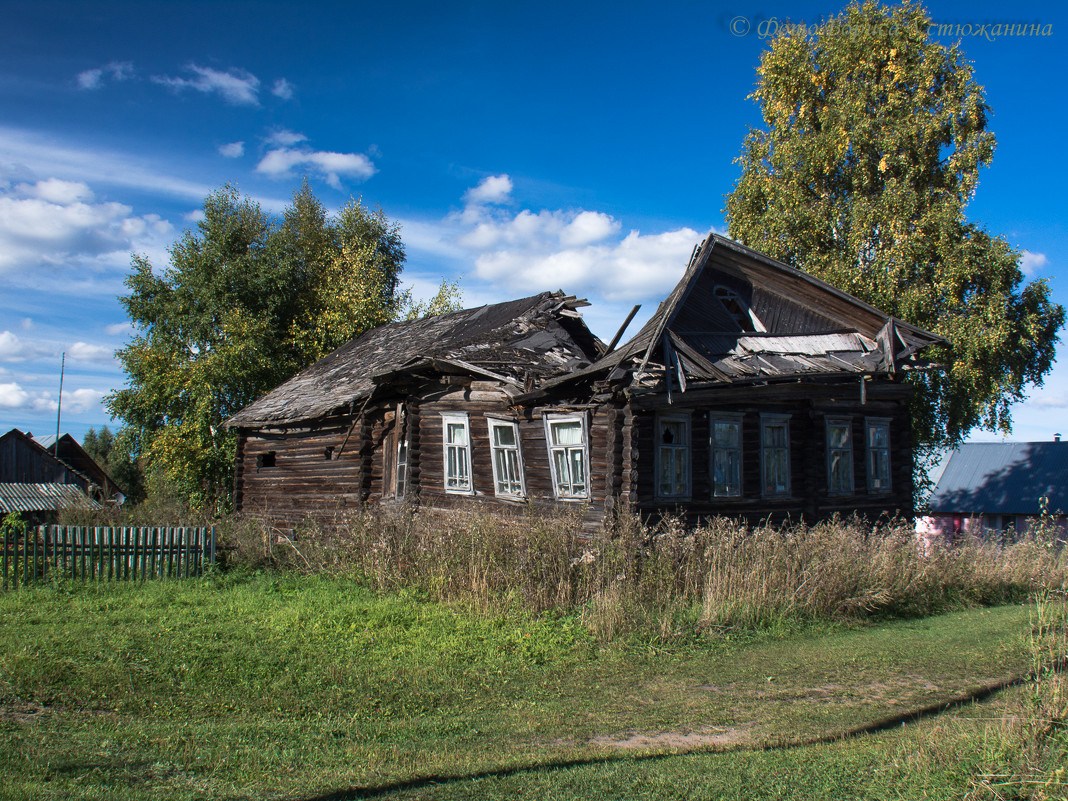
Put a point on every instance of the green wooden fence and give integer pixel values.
(99, 553)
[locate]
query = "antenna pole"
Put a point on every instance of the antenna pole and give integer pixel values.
(59, 406)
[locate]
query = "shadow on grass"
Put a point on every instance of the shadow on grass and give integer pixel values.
(885, 724)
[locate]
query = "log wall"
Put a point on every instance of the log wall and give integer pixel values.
(808, 408)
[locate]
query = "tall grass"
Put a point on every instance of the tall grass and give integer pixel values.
(668, 580)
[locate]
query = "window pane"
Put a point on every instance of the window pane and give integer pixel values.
(456, 434)
(726, 434)
(563, 472)
(879, 435)
(578, 472)
(837, 435)
(775, 435)
(726, 472)
(567, 432)
(503, 435)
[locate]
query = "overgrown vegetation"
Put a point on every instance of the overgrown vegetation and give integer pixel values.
(665, 582)
(271, 685)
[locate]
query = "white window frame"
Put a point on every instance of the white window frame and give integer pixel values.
(869, 454)
(838, 421)
(550, 420)
(734, 418)
(465, 449)
(683, 447)
(767, 421)
(495, 449)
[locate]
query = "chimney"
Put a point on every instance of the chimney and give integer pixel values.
(1056, 437)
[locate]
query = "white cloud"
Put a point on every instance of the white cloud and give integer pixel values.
(76, 401)
(38, 154)
(118, 329)
(80, 401)
(1031, 263)
(584, 251)
(53, 224)
(494, 189)
(232, 150)
(195, 216)
(55, 190)
(86, 352)
(12, 396)
(27, 323)
(15, 349)
(283, 89)
(282, 161)
(237, 86)
(96, 77)
(284, 138)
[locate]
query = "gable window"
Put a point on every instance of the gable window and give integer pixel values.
(775, 454)
(673, 456)
(839, 455)
(738, 309)
(877, 435)
(507, 461)
(566, 438)
(456, 440)
(726, 456)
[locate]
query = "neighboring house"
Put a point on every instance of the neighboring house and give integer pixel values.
(71, 453)
(36, 484)
(755, 390)
(998, 488)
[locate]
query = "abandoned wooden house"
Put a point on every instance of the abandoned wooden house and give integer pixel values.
(38, 484)
(755, 390)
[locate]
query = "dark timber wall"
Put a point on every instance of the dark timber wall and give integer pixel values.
(808, 408)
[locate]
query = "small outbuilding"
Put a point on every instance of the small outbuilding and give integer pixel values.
(998, 489)
(755, 390)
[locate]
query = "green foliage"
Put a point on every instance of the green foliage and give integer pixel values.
(113, 453)
(279, 686)
(872, 142)
(11, 524)
(245, 303)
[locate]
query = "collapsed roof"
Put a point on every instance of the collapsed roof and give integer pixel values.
(736, 316)
(518, 342)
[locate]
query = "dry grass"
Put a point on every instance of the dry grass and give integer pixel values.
(663, 580)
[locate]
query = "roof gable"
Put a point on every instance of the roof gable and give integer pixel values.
(737, 315)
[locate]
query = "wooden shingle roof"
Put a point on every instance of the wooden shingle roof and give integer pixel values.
(519, 342)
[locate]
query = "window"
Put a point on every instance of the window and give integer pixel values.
(566, 437)
(878, 438)
(673, 456)
(401, 478)
(726, 456)
(839, 455)
(457, 446)
(738, 309)
(265, 460)
(507, 462)
(775, 454)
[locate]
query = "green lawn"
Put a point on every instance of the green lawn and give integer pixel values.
(292, 687)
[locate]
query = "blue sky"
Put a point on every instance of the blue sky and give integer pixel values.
(522, 147)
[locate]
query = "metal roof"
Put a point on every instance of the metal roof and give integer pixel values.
(43, 498)
(1003, 478)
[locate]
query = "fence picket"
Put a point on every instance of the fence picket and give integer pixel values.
(104, 553)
